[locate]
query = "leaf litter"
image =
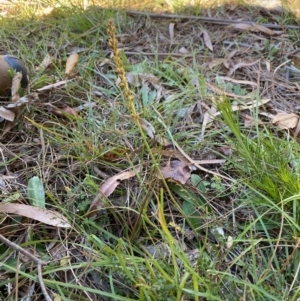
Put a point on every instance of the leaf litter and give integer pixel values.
(236, 50)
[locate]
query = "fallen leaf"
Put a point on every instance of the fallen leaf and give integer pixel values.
(171, 30)
(65, 111)
(71, 63)
(133, 79)
(215, 62)
(107, 189)
(249, 121)
(208, 118)
(183, 50)
(170, 153)
(225, 150)
(147, 127)
(162, 141)
(297, 129)
(110, 185)
(7, 114)
(207, 40)
(47, 61)
(176, 170)
(236, 81)
(45, 216)
(268, 65)
(253, 27)
(16, 81)
(241, 64)
(116, 154)
(285, 120)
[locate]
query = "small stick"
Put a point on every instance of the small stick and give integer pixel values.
(42, 284)
(208, 19)
(33, 258)
(21, 250)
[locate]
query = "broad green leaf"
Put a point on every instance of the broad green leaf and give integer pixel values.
(36, 192)
(188, 195)
(191, 215)
(198, 182)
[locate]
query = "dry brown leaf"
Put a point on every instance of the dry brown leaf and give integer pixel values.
(208, 118)
(268, 65)
(65, 111)
(170, 153)
(107, 189)
(148, 127)
(16, 81)
(225, 150)
(116, 154)
(241, 64)
(207, 40)
(249, 121)
(247, 106)
(45, 216)
(7, 114)
(183, 50)
(70, 111)
(47, 61)
(71, 63)
(285, 120)
(253, 27)
(215, 62)
(236, 81)
(171, 30)
(133, 79)
(176, 170)
(110, 185)
(232, 53)
(162, 141)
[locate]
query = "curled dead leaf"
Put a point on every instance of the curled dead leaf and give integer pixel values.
(107, 189)
(16, 82)
(176, 170)
(7, 114)
(71, 63)
(147, 127)
(207, 40)
(183, 50)
(215, 62)
(47, 61)
(285, 120)
(133, 79)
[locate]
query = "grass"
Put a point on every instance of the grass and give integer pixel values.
(229, 237)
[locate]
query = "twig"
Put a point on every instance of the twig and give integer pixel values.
(21, 250)
(196, 164)
(42, 284)
(33, 258)
(162, 54)
(208, 20)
